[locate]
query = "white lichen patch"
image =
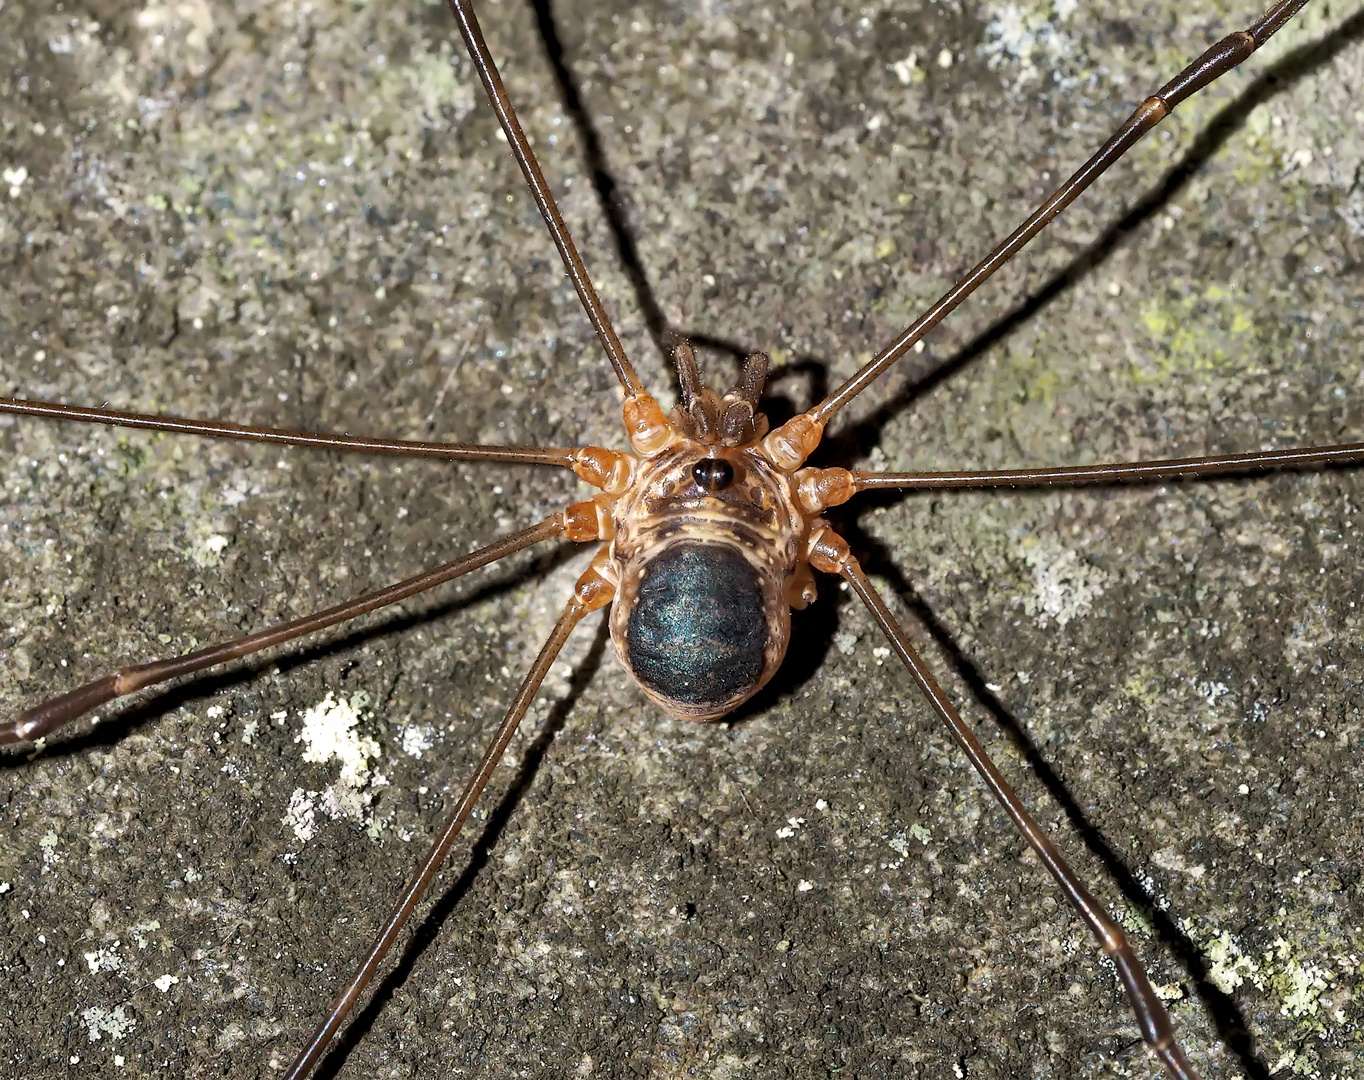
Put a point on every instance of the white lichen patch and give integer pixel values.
(416, 740)
(237, 490)
(909, 73)
(115, 1022)
(165, 982)
(1065, 586)
(845, 641)
(208, 549)
(1308, 637)
(343, 801)
(1212, 692)
(330, 732)
(1030, 36)
(14, 178)
(301, 814)
(790, 829)
(104, 959)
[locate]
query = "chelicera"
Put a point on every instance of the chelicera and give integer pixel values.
(710, 534)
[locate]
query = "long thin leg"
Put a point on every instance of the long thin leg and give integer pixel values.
(1216, 61)
(1128, 472)
(830, 554)
(47, 717)
(592, 592)
(219, 429)
(463, 10)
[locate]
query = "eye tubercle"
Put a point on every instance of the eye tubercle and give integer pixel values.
(713, 474)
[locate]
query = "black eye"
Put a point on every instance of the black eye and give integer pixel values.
(713, 474)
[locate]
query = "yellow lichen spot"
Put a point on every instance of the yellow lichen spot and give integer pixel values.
(1156, 321)
(1192, 331)
(1044, 387)
(885, 247)
(1138, 688)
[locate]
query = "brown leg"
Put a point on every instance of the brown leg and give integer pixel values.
(830, 553)
(1216, 61)
(578, 522)
(1127, 472)
(217, 429)
(463, 10)
(592, 592)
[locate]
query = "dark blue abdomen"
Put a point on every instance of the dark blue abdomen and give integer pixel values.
(697, 632)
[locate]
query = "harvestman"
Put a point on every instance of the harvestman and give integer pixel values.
(709, 529)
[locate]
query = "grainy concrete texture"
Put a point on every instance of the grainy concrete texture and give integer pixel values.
(301, 214)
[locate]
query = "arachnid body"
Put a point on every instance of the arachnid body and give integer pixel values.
(822, 884)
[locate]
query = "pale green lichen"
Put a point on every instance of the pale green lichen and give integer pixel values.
(1229, 967)
(1298, 983)
(1209, 330)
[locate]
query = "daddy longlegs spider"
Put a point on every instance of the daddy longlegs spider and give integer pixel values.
(221, 960)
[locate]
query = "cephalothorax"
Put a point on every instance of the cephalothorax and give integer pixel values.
(709, 531)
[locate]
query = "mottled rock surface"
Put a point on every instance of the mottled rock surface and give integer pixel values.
(302, 215)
